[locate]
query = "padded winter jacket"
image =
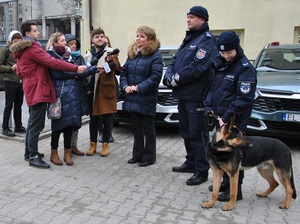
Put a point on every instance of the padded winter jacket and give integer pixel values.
(144, 69)
(233, 89)
(192, 62)
(66, 86)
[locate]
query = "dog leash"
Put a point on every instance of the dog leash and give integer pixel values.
(211, 114)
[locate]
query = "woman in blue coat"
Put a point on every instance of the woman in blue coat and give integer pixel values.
(65, 86)
(140, 78)
(82, 84)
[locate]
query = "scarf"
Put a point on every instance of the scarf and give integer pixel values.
(75, 54)
(62, 51)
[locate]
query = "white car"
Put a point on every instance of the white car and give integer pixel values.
(166, 108)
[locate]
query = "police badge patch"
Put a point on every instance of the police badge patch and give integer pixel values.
(245, 87)
(201, 54)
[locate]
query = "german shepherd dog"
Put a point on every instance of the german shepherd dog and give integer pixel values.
(229, 151)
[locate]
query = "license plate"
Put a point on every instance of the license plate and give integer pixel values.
(291, 117)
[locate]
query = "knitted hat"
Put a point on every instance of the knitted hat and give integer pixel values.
(228, 41)
(13, 35)
(199, 11)
(70, 37)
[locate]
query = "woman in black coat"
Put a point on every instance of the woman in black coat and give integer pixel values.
(140, 77)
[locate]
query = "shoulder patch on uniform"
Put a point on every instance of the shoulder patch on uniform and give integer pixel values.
(245, 87)
(201, 53)
(245, 62)
(207, 34)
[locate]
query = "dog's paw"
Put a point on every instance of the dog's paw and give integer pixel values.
(227, 207)
(207, 205)
(284, 205)
(262, 195)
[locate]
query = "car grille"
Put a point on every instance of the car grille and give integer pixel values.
(275, 104)
(278, 126)
(163, 98)
(166, 99)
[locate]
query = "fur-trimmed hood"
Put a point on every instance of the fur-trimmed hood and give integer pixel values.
(148, 49)
(19, 47)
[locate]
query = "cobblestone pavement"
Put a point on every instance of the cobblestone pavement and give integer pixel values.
(109, 190)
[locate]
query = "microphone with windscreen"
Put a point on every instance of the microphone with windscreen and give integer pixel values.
(115, 51)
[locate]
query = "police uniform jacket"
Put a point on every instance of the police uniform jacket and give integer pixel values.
(143, 69)
(233, 89)
(191, 63)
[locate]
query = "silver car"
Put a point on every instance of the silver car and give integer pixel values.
(276, 110)
(166, 108)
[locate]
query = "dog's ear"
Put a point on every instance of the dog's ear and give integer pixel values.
(232, 121)
(230, 125)
(239, 141)
(226, 129)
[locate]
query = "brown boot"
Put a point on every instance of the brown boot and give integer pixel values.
(54, 158)
(67, 157)
(105, 149)
(92, 149)
(76, 151)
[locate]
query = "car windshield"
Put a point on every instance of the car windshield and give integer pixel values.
(280, 59)
(167, 55)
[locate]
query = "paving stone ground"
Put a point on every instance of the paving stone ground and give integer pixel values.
(111, 191)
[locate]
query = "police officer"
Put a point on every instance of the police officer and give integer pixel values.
(188, 76)
(232, 92)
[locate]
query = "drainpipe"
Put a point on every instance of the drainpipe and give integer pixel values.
(90, 13)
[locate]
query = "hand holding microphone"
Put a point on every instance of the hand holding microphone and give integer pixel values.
(96, 59)
(109, 64)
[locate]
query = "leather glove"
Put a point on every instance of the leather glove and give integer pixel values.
(167, 82)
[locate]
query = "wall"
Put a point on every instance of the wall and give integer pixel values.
(258, 22)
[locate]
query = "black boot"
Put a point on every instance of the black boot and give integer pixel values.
(224, 187)
(224, 184)
(225, 196)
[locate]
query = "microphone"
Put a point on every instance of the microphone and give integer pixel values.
(115, 51)
(98, 56)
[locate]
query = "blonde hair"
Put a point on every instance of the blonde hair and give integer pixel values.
(149, 32)
(54, 38)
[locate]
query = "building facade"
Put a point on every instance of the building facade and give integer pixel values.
(51, 16)
(257, 22)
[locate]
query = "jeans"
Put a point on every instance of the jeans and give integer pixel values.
(13, 100)
(196, 137)
(36, 124)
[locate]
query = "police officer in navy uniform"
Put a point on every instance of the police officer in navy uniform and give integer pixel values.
(189, 77)
(232, 93)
